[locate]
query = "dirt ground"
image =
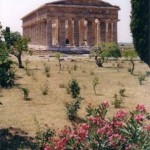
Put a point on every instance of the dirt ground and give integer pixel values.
(50, 109)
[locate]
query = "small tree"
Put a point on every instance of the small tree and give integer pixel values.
(74, 88)
(104, 50)
(16, 44)
(130, 54)
(95, 83)
(58, 55)
(6, 74)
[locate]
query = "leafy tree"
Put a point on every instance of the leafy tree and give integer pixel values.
(104, 50)
(130, 54)
(140, 28)
(16, 44)
(6, 74)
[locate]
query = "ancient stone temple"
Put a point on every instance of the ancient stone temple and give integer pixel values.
(67, 25)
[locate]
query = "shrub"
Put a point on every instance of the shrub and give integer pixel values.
(73, 108)
(47, 70)
(95, 83)
(27, 62)
(121, 132)
(43, 135)
(75, 67)
(141, 78)
(92, 73)
(121, 92)
(117, 101)
(7, 75)
(26, 93)
(62, 85)
(58, 56)
(73, 88)
(45, 89)
(28, 71)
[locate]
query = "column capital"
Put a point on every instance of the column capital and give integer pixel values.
(49, 20)
(76, 19)
(115, 20)
(62, 18)
(90, 19)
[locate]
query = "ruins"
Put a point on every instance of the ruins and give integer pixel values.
(67, 25)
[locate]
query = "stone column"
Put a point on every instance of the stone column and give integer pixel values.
(99, 32)
(76, 32)
(70, 32)
(91, 32)
(96, 31)
(82, 32)
(34, 34)
(115, 38)
(112, 31)
(42, 31)
(62, 31)
(49, 33)
(107, 31)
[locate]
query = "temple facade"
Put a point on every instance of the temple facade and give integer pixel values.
(67, 25)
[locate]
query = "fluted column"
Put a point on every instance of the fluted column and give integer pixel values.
(70, 32)
(49, 32)
(99, 32)
(76, 32)
(107, 31)
(62, 32)
(82, 32)
(115, 38)
(91, 32)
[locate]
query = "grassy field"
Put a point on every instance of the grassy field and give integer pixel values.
(50, 109)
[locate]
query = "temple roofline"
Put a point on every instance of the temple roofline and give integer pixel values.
(54, 3)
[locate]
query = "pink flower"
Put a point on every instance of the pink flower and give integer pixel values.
(148, 128)
(118, 124)
(61, 144)
(115, 139)
(106, 130)
(83, 132)
(96, 120)
(139, 118)
(85, 126)
(120, 115)
(105, 104)
(47, 147)
(140, 108)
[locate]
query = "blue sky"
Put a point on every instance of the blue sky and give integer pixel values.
(11, 11)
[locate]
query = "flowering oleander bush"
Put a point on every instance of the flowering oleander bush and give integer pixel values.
(124, 131)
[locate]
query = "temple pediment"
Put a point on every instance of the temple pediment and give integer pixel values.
(97, 3)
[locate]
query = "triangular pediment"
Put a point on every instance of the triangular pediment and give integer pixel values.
(98, 3)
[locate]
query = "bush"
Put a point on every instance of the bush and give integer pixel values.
(141, 78)
(95, 83)
(121, 132)
(73, 88)
(7, 75)
(47, 70)
(73, 108)
(43, 135)
(117, 101)
(45, 89)
(25, 93)
(75, 67)
(122, 92)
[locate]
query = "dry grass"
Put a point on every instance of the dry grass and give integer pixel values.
(50, 109)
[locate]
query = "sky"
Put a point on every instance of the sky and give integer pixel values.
(11, 12)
